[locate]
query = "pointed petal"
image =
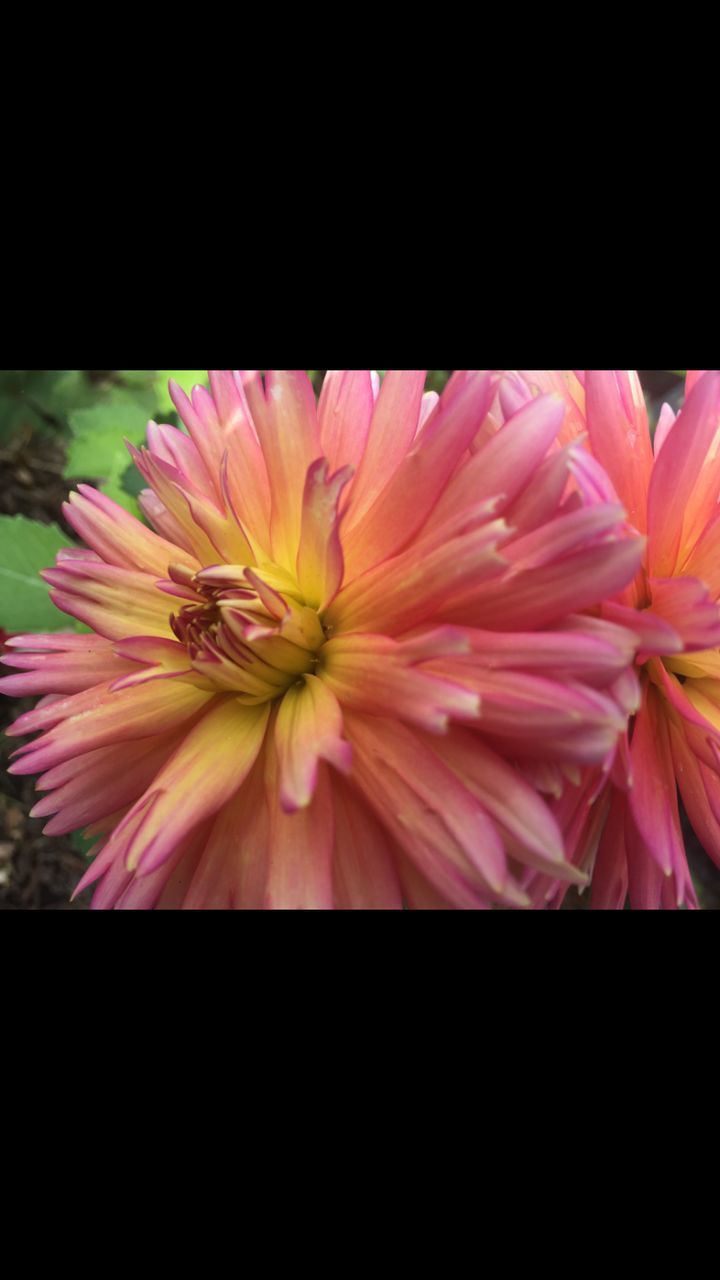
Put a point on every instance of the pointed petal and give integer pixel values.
(541, 597)
(117, 536)
(392, 431)
(308, 729)
(703, 560)
(666, 422)
(364, 871)
(620, 438)
(232, 871)
(587, 649)
(345, 411)
(653, 799)
(428, 811)
(420, 895)
(686, 606)
(654, 634)
(610, 873)
(300, 876)
(168, 505)
(204, 773)
(646, 881)
(524, 819)
(568, 532)
(379, 676)
(100, 719)
(403, 593)
(320, 556)
(692, 378)
(103, 783)
(410, 495)
(504, 466)
(686, 480)
(115, 602)
(247, 474)
(290, 440)
(62, 673)
(691, 775)
(568, 384)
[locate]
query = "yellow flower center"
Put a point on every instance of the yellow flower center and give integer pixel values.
(247, 630)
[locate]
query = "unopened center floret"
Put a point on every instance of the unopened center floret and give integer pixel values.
(246, 629)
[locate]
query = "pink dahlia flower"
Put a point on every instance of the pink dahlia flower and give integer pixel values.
(331, 673)
(624, 825)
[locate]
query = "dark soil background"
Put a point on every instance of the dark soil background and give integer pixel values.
(38, 873)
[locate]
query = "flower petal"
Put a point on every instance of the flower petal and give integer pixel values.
(117, 536)
(610, 873)
(345, 412)
(685, 480)
(524, 820)
(428, 811)
(693, 780)
(541, 597)
(417, 484)
(232, 871)
(392, 431)
(320, 556)
(686, 606)
(308, 729)
(364, 871)
(290, 440)
(115, 602)
(503, 467)
(653, 799)
(300, 875)
(377, 675)
(204, 773)
(620, 438)
(405, 592)
(65, 672)
(98, 718)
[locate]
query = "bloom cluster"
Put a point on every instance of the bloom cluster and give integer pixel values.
(388, 650)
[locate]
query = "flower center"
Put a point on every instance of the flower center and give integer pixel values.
(247, 630)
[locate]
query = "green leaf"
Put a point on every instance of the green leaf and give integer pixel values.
(57, 391)
(26, 547)
(17, 415)
(187, 378)
(97, 450)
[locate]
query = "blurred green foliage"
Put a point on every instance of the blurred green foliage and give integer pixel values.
(26, 548)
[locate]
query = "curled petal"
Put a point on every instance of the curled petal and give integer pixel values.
(289, 435)
(308, 729)
(320, 556)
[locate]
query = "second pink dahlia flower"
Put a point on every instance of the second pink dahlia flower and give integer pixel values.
(623, 825)
(332, 672)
